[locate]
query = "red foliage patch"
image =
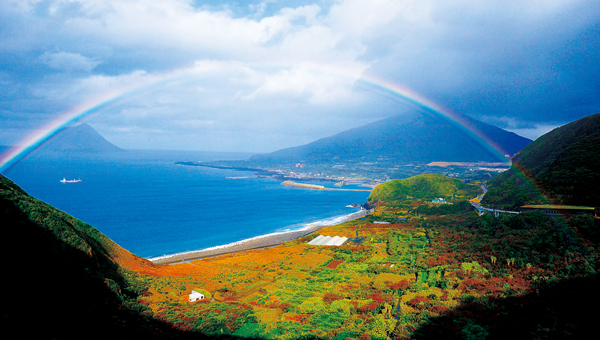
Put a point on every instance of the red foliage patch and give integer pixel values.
(399, 285)
(334, 264)
(419, 302)
(472, 284)
(364, 337)
(439, 309)
(330, 297)
(284, 306)
(368, 308)
(301, 318)
(377, 297)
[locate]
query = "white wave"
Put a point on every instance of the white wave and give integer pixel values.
(322, 223)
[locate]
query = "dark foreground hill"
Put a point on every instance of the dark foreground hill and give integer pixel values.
(63, 279)
(560, 167)
(80, 138)
(407, 138)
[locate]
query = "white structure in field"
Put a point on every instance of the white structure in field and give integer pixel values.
(195, 296)
(328, 241)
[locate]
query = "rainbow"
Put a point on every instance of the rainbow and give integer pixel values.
(37, 138)
(458, 121)
(84, 110)
(107, 101)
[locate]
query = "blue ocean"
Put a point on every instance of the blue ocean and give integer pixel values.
(152, 207)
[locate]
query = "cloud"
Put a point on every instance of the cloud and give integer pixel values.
(320, 84)
(65, 61)
(196, 123)
(264, 68)
(534, 132)
(522, 128)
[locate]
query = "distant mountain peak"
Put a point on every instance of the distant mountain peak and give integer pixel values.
(406, 138)
(80, 138)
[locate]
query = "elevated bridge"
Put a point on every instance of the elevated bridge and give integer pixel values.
(548, 209)
(481, 209)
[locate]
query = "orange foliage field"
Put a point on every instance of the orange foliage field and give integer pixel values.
(387, 281)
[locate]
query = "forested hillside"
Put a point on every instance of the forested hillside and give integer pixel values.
(560, 167)
(421, 188)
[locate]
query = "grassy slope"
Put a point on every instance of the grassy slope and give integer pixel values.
(422, 187)
(560, 167)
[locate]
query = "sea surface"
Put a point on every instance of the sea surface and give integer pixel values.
(152, 207)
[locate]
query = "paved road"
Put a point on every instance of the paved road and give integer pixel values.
(496, 212)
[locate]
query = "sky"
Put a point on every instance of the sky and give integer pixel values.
(258, 76)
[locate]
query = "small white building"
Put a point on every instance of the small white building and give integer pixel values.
(195, 296)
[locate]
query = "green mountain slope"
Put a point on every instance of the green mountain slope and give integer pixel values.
(560, 167)
(406, 138)
(422, 187)
(62, 278)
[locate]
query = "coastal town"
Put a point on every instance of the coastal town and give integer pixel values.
(365, 174)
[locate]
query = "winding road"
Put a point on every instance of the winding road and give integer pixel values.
(483, 209)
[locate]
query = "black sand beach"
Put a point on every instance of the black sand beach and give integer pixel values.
(263, 241)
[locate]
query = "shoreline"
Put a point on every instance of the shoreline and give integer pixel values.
(257, 242)
(316, 187)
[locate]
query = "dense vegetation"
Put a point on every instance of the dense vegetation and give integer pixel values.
(435, 271)
(422, 188)
(560, 167)
(445, 270)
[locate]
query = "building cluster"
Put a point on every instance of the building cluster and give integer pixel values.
(439, 201)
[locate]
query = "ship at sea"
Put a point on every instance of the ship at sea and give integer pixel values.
(64, 180)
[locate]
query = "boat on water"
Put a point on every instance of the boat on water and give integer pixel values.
(64, 180)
